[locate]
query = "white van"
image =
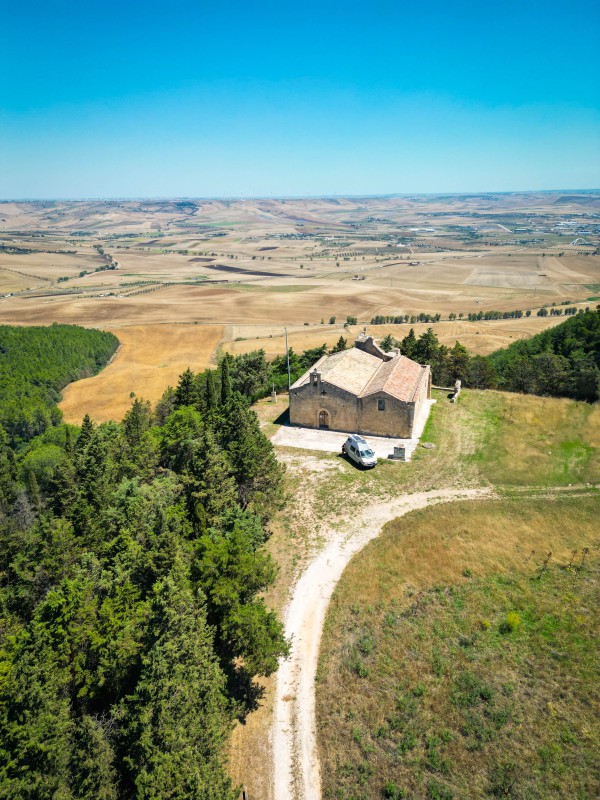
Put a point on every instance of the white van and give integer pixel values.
(357, 449)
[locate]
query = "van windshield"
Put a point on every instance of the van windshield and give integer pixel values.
(367, 453)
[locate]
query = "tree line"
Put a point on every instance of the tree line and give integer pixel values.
(475, 316)
(560, 362)
(132, 567)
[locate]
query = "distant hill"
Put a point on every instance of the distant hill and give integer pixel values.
(563, 361)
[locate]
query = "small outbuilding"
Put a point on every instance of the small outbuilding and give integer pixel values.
(362, 390)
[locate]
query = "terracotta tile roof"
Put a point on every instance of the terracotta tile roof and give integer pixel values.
(363, 374)
(352, 371)
(399, 378)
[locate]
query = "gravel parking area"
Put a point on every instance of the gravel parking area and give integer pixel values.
(331, 441)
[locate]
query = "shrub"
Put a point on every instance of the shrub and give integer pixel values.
(470, 690)
(407, 742)
(358, 668)
(510, 623)
(391, 791)
(437, 663)
(438, 791)
(365, 645)
(502, 779)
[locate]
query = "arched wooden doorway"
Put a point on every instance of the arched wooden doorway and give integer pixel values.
(323, 419)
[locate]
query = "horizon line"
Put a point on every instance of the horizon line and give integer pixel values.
(324, 196)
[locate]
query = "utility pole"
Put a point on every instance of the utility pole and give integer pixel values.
(287, 353)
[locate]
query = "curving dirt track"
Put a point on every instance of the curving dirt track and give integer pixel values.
(296, 773)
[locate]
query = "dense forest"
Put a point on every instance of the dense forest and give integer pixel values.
(36, 363)
(563, 361)
(132, 563)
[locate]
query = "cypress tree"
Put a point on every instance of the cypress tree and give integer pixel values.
(225, 380)
(7, 473)
(211, 391)
(33, 490)
(140, 450)
(341, 345)
(68, 441)
(408, 344)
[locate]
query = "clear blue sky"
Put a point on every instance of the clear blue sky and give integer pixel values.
(128, 98)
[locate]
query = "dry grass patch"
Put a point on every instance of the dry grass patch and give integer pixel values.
(151, 357)
(450, 670)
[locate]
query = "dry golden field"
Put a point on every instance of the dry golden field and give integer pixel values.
(150, 358)
(249, 268)
(479, 337)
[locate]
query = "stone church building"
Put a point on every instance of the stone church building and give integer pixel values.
(362, 390)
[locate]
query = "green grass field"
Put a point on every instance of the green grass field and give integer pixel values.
(454, 665)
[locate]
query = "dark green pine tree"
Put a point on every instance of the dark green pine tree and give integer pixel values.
(35, 724)
(231, 571)
(7, 475)
(177, 721)
(408, 344)
(33, 490)
(137, 421)
(340, 345)
(427, 347)
(68, 441)
(482, 374)
(87, 430)
(140, 453)
(63, 487)
(177, 436)
(92, 767)
(458, 363)
(91, 470)
(50, 748)
(388, 343)
(186, 393)
(255, 467)
(210, 484)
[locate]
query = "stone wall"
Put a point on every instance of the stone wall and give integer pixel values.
(307, 401)
(395, 420)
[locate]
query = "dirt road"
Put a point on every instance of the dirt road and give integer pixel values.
(296, 774)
